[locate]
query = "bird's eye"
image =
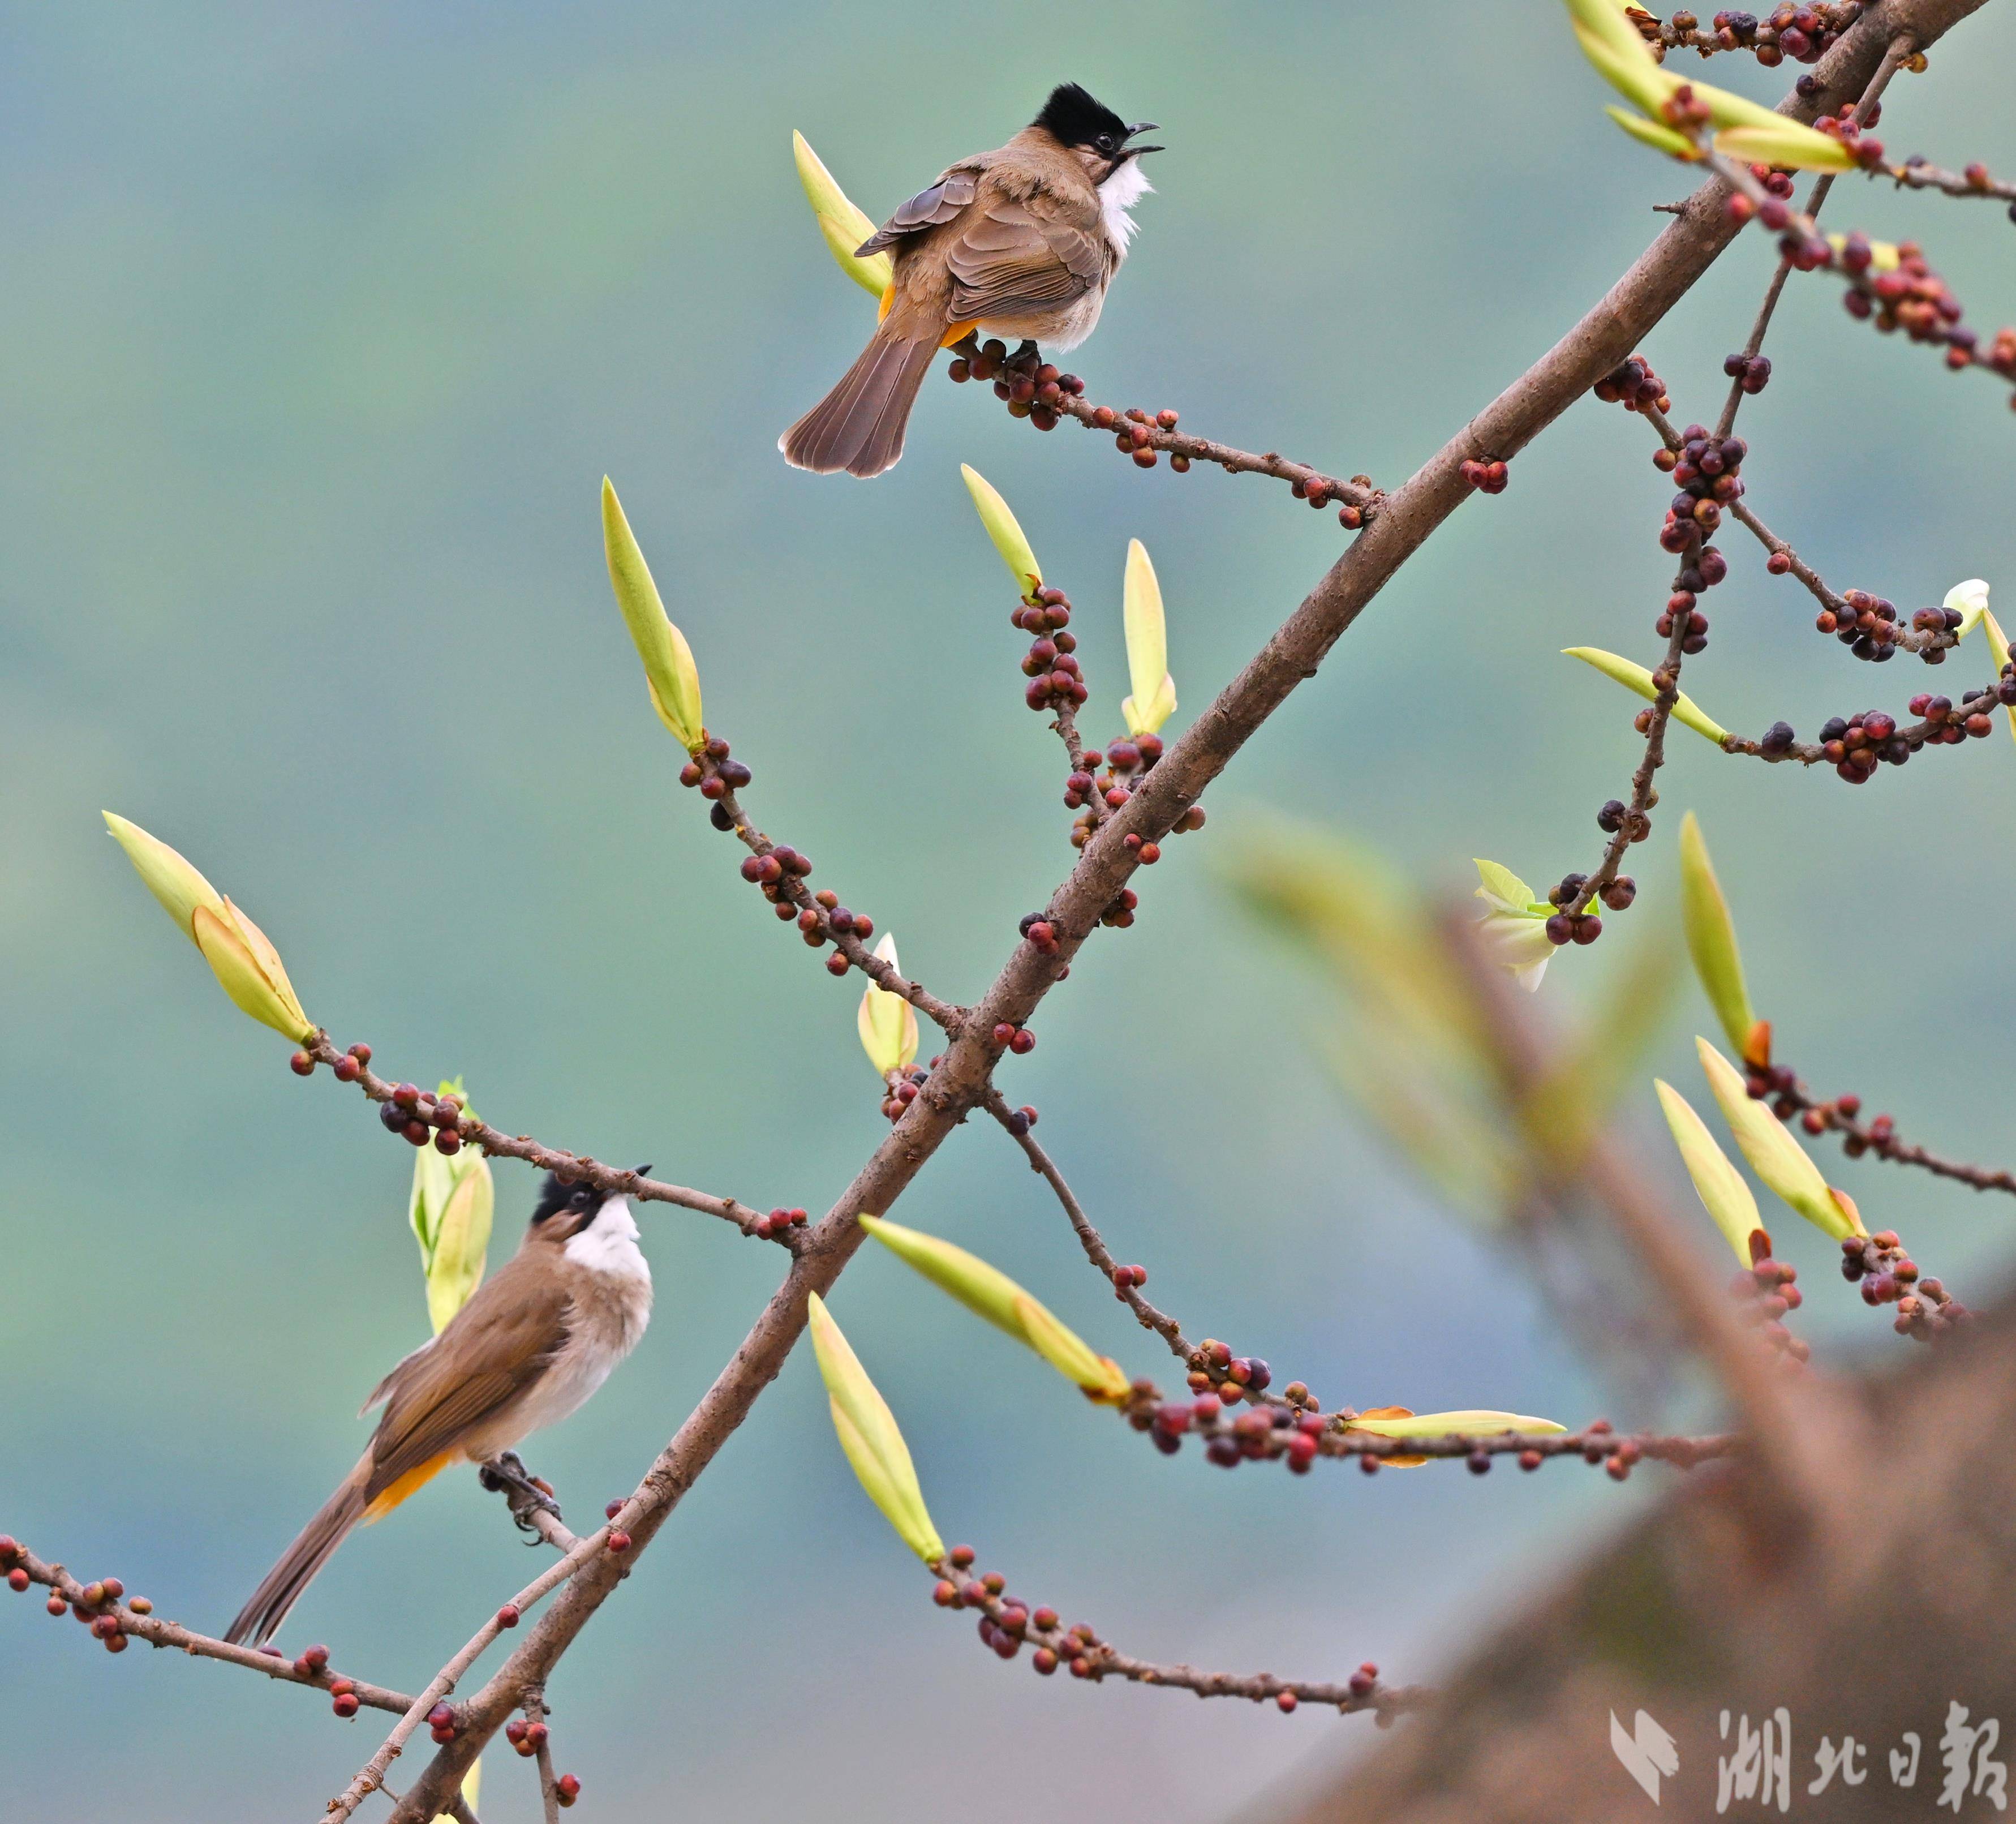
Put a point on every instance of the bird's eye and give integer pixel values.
(1104, 142)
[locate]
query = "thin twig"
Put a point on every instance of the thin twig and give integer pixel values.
(1011, 1624)
(371, 1775)
(1899, 49)
(156, 1632)
(576, 1168)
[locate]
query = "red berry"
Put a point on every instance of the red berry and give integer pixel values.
(17, 1579)
(619, 1541)
(344, 1703)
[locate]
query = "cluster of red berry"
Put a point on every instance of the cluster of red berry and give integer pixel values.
(1889, 1276)
(1804, 33)
(1032, 388)
(98, 1605)
(1050, 665)
(1633, 384)
(715, 776)
(418, 1117)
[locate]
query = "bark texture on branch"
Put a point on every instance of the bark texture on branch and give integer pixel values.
(1685, 1618)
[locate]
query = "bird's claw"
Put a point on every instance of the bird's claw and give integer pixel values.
(524, 1493)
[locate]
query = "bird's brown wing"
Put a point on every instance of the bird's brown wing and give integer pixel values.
(1012, 259)
(492, 1352)
(928, 208)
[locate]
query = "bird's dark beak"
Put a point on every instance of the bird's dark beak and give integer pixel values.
(641, 1171)
(1142, 127)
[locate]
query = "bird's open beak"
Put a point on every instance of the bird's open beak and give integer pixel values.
(1142, 127)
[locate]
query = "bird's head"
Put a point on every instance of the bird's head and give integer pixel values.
(564, 1211)
(1100, 140)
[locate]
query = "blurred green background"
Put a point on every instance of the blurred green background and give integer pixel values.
(321, 325)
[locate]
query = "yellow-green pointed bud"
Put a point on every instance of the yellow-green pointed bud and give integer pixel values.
(1154, 698)
(1719, 1185)
(1969, 600)
(1787, 143)
(1747, 129)
(450, 1208)
(1514, 929)
(248, 968)
(1467, 1424)
(1067, 1352)
(868, 1435)
(843, 226)
(168, 875)
(888, 1022)
(997, 1298)
(669, 671)
(1665, 139)
(1621, 56)
(1711, 943)
(1998, 646)
(1006, 531)
(979, 1287)
(1774, 1155)
(1636, 678)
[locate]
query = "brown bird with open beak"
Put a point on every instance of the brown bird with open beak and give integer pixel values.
(535, 1340)
(1022, 242)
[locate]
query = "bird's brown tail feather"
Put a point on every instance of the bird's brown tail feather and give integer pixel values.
(858, 426)
(259, 1618)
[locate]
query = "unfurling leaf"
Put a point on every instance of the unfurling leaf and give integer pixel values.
(1154, 698)
(1719, 1185)
(669, 671)
(1514, 929)
(1999, 647)
(1711, 943)
(1635, 677)
(844, 227)
(240, 955)
(997, 1298)
(1969, 600)
(868, 1435)
(1774, 1155)
(450, 1210)
(1006, 531)
(887, 1023)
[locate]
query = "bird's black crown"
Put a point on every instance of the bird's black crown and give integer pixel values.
(555, 1196)
(1073, 117)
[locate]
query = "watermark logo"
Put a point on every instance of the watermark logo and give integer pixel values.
(1646, 1754)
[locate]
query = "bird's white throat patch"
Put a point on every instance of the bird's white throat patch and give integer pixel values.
(609, 1244)
(1117, 195)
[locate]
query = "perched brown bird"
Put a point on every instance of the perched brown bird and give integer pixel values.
(535, 1340)
(1021, 242)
